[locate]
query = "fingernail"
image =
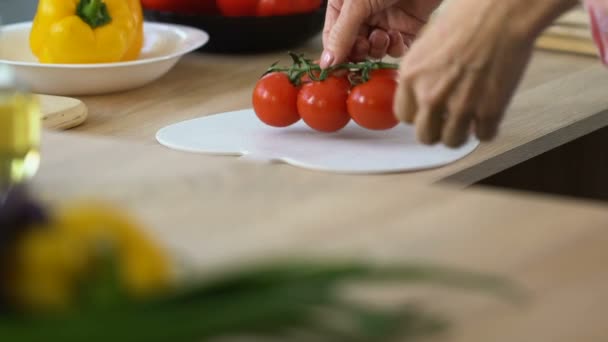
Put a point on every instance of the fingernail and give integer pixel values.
(379, 39)
(408, 40)
(327, 59)
(394, 35)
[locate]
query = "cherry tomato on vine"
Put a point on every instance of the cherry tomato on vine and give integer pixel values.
(388, 73)
(275, 100)
(237, 8)
(306, 77)
(339, 73)
(322, 104)
(370, 104)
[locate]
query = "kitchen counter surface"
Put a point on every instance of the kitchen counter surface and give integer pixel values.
(216, 210)
(547, 112)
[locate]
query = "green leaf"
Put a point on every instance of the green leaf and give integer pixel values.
(271, 300)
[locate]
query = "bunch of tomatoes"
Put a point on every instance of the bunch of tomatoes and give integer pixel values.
(235, 8)
(327, 100)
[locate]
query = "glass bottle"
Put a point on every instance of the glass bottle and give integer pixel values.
(20, 130)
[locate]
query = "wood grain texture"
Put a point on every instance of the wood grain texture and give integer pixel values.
(548, 101)
(571, 33)
(60, 113)
(214, 212)
(568, 44)
(583, 33)
(577, 17)
(539, 120)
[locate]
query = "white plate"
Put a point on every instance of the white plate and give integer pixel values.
(353, 150)
(164, 46)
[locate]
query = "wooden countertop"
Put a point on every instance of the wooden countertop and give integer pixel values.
(547, 111)
(216, 210)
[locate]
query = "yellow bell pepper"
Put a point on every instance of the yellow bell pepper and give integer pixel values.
(87, 31)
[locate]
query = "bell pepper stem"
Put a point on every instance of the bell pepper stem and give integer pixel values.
(94, 13)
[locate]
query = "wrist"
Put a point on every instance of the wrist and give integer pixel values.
(534, 16)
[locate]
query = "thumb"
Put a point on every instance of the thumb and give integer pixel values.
(343, 34)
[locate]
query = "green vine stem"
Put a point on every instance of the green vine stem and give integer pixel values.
(302, 66)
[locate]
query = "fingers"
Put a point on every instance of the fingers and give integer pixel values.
(432, 106)
(379, 42)
(459, 114)
(457, 128)
(361, 47)
(331, 16)
(397, 46)
(360, 50)
(486, 127)
(449, 109)
(428, 125)
(346, 27)
(342, 31)
(487, 120)
(405, 106)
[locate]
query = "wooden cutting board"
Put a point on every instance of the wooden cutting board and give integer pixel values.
(61, 113)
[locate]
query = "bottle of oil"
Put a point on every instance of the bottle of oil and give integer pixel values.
(20, 129)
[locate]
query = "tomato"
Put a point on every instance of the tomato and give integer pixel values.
(305, 78)
(275, 100)
(267, 8)
(306, 6)
(181, 6)
(322, 105)
(389, 73)
(371, 104)
(286, 7)
(237, 8)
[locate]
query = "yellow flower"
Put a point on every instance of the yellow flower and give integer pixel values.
(50, 263)
(45, 269)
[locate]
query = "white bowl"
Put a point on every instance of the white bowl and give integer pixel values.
(164, 45)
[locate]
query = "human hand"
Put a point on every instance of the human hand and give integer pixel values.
(462, 72)
(356, 29)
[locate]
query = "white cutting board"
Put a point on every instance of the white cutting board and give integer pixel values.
(60, 113)
(353, 150)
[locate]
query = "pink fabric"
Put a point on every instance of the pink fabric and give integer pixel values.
(598, 12)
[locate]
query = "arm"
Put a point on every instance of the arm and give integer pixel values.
(598, 13)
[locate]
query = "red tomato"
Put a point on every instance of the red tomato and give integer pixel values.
(371, 104)
(306, 77)
(181, 6)
(267, 8)
(306, 6)
(286, 7)
(322, 105)
(338, 73)
(389, 73)
(275, 100)
(237, 8)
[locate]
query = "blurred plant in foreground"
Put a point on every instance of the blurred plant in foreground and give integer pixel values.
(88, 272)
